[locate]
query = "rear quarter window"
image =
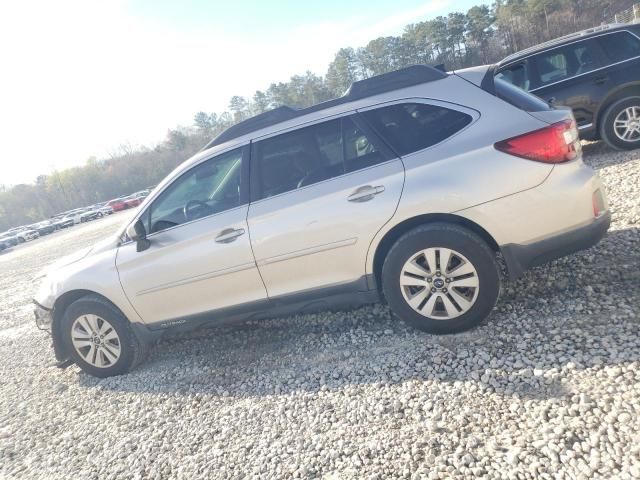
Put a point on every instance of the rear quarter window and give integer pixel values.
(409, 127)
(518, 97)
(620, 46)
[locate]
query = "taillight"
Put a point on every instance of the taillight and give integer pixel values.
(556, 143)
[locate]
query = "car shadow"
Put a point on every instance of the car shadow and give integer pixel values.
(522, 350)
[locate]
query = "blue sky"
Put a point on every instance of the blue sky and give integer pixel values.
(256, 18)
(97, 74)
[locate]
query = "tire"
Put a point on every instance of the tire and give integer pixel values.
(436, 312)
(87, 311)
(610, 133)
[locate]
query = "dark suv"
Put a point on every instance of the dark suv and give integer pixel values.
(596, 72)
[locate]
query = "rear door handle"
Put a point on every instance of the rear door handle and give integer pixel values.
(366, 193)
(228, 235)
(601, 79)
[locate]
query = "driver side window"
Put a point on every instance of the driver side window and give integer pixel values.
(208, 188)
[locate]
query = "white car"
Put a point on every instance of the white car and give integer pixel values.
(24, 234)
(75, 216)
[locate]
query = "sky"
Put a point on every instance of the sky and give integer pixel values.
(80, 78)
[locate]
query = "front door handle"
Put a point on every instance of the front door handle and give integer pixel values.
(228, 235)
(366, 193)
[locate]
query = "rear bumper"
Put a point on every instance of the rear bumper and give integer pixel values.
(520, 258)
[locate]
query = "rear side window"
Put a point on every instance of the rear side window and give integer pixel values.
(516, 75)
(518, 97)
(565, 62)
(620, 46)
(310, 155)
(409, 127)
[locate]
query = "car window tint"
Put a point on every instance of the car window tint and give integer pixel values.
(359, 151)
(409, 127)
(519, 98)
(210, 187)
(312, 154)
(565, 62)
(516, 75)
(620, 46)
(299, 158)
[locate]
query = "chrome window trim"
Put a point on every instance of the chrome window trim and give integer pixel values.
(586, 73)
(535, 54)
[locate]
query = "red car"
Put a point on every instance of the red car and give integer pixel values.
(117, 204)
(132, 202)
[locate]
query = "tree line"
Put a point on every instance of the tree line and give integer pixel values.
(484, 34)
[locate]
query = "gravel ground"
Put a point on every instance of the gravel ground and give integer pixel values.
(548, 388)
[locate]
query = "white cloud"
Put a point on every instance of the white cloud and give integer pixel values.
(81, 77)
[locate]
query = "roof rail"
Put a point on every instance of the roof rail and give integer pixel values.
(405, 77)
(558, 40)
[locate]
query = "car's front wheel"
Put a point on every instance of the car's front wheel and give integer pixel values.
(99, 338)
(441, 278)
(620, 125)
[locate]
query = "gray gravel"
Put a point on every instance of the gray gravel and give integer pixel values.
(548, 388)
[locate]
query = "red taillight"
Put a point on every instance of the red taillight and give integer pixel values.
(556, 143)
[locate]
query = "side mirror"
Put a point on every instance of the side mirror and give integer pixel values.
(138, 234)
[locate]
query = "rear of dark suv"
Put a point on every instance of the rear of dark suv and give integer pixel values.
(595, 72)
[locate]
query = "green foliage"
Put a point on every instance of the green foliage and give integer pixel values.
(482, 35)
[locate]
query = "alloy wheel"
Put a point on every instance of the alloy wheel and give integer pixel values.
(439, 283)
(626, 125)
(96, 341)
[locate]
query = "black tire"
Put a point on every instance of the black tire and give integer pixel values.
(450, 236)
(133, 351)
(607, 132)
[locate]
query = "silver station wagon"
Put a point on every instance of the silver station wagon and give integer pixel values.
(403, 190)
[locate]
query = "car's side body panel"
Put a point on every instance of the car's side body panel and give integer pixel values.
(314, 237)
(186, 271)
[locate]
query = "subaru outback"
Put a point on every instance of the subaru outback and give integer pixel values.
(405, 189)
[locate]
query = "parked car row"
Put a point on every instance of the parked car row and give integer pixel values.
(22, 234)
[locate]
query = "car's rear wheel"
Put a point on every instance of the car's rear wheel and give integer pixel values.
(99, 338)
(620, 126)
(441, 278)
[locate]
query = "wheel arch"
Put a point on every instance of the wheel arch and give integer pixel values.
(623, 91)
(59, 308)
(403, 227)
